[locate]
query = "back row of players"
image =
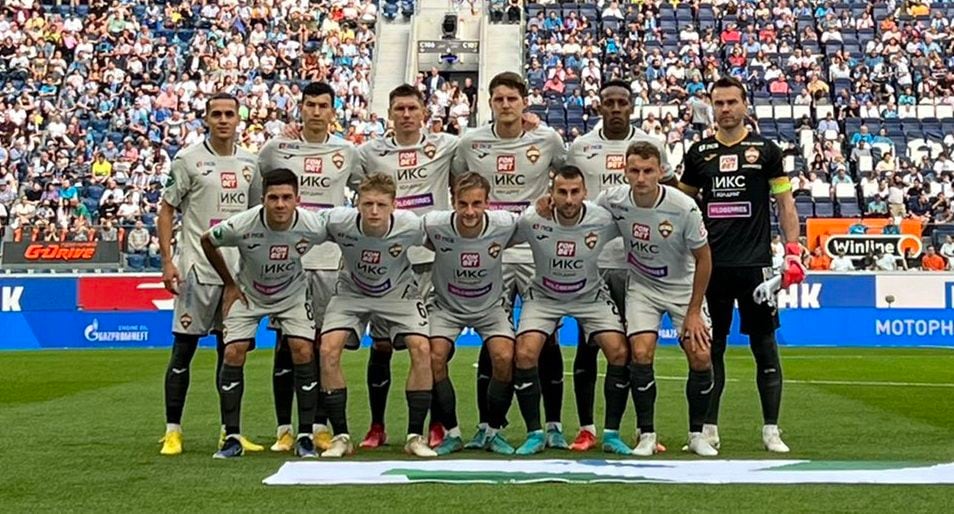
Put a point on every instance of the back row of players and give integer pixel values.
(552, 256)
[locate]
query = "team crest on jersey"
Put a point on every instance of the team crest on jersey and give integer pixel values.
(247, 172)
(338, 160)
(665, 228)
(506, 164)
(430, 150)
(565, 249)
(728, 163)
(469, 260)
(278, 252)
(615, 161)
(752, 155)
(370, 256)
(395, 250)
(229, 180)
(494, 250)
(185, 320)
(407, 158)
(301, 246)
(641, 231)
(533, 154)
(591, 239)
(314, 165)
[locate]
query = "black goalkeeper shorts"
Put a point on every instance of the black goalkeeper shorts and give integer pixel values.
(729, 284)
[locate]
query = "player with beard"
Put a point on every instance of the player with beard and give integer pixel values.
(735, 173)
(517, 163)
(208, 182)
(325, 166)
(601, 155)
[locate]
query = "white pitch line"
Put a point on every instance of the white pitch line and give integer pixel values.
(820, 382)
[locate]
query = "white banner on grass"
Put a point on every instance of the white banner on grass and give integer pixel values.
(595, 471)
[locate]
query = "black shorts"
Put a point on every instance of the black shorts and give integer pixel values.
(730, 284)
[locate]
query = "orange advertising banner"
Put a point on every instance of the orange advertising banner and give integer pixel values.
(820, 229)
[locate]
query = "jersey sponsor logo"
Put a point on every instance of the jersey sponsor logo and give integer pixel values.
(506, 163)
(371, 256)
(565, 249)
(728, 183)
(751, 155)
(468, 293)
(229, 180)
(233, 198)
(591, 239)
(652, 271)
(494, 250)
(708, 146)
(516, 207)
(272, 289)
(533, 154)
(470, 260)
(563, 287)
(314, 165)
(314, 181)
(665, 228)
(338, 159)
(728, 163)
(279, 268)
(395, 250)
(641, 231)
(411, 174)
(407, 158)
(643, 247)
(615, 161)
(383, 287)
(608, 180)
(430, 150)
(415, 201)
(278, 252)
(302, 246)
(730, 210)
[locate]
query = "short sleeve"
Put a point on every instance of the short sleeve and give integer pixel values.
(178, 185)
(691, 174)
(557, 149)
(695, 233)
(229, 232)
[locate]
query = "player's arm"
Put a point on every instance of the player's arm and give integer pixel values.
(175, 191)
(223, 234)
(214, 255)
(696, 331)
(255, 186)
(669, 177)
(521, 230)
(780, 186)
(557, 149)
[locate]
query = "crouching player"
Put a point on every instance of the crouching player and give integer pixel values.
(271, 239)
(669, 268)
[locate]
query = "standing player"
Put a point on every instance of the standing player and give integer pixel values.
(208, 182)
(517, 164)
(468, 287)
(419, 162)
(325, 165)
(566, 282)
(735, 172)
(376, 286)
(601, 155)
(669, 267)
(271, 240)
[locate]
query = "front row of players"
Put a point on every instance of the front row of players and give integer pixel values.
(669, 267)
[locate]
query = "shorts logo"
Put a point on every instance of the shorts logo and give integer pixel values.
(641, 231)
(229, 180)
(370, 256)
(185, 320)
(494, 250)
(301, 246)
(533, 154)
(247, 173)
(470, 260)
(615, 162)
(665, 228)
(278, 252)
(590, 240)
(313, 165)
(395, 250)
(751, 155)
(728, 163)
(430, 150)
(407, 158)
(565, 249)
(506, 164)
(338, 160)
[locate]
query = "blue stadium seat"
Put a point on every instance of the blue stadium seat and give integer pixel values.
(136, 262)
(824, 208)
(804, 207)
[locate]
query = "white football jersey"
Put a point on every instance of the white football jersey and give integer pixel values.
(207, 188)
(325, 172)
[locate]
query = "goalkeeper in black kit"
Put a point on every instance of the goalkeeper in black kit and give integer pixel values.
(735, 174)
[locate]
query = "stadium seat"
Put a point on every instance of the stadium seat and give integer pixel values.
(804, 207)
(824, 208)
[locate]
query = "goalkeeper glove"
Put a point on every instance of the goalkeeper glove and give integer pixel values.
(793, 271)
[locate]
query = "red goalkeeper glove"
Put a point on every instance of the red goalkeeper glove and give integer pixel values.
(793, 271)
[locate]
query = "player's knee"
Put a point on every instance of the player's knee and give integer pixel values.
(329, 355)
(302, 352)
(502, 361)
(699, 360)
(420, 351)
(234, 354)
(643, 354)
(616, 353)
(765, 350)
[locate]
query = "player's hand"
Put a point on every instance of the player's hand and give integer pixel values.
(531, 121)
(544, 206)
(292, 130)
(230, 295)
(171, 277)
(696, 332)
(766, 291)
(793, 271)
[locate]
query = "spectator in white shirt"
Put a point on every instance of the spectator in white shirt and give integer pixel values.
(841, 263)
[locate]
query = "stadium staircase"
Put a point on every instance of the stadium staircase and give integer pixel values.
(391, 61)
(501, 49)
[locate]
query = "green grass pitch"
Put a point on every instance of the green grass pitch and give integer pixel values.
(78, 432)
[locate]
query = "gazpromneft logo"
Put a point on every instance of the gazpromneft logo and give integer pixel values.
(123, 333)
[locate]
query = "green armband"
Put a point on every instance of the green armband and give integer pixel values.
(779, 187)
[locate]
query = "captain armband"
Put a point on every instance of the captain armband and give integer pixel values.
(780, 185)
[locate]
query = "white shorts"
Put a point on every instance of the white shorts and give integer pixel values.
(395, 316)
(321, 285)
(517, 277)
(197, 307)
(617, 280)
(292, 316)
(596, 313)
(645, 308)
(492, 322)
(422, 276)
